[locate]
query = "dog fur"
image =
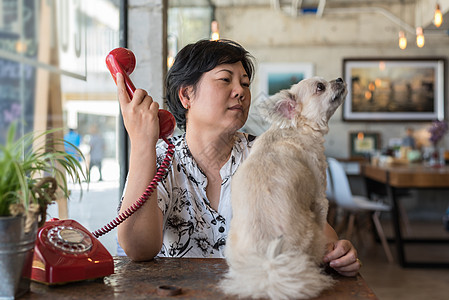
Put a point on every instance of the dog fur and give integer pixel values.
(276, 243)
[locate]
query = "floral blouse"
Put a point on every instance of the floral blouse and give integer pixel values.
(192, 228)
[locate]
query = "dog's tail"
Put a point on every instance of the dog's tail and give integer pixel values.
(275, 275)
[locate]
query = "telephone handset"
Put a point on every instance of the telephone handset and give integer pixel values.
(123, 60)
(65, 251)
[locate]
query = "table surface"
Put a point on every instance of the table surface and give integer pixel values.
(409, 175)
(197, 278)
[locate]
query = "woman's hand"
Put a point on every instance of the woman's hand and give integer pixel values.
(342, 257)
(140, 115)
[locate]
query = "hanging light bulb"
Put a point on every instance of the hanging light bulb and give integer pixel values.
(170, 61)
(438, 17)
(419, 37)
(402, 40)
(172, 47)
(215, 36)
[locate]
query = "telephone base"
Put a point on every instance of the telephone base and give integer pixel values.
(67, 252)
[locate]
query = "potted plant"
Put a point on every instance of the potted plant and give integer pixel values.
(33, 170)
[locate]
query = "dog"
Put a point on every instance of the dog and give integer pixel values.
(276, 242)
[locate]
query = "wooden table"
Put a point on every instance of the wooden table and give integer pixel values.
(408, 176)
(196, 277)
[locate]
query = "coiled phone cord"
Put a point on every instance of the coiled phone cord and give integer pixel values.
(161, 171)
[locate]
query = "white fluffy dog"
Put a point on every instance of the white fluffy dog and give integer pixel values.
(276, 242)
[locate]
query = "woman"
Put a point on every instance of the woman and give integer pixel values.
(208, 93)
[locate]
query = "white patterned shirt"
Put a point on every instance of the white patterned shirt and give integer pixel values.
(191, 227)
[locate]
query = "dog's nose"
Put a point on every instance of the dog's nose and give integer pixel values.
(339, 80)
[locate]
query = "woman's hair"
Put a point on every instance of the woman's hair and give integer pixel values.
(193, 61)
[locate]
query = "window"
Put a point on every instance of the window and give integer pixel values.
(53, 75)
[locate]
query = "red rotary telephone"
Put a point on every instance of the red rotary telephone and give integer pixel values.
(65, 251)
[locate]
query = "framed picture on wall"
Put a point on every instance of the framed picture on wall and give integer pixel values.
(362, 144)
(274, 77)
(382, 89)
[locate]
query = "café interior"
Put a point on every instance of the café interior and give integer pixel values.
(387, 144)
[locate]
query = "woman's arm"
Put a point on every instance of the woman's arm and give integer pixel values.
(140, 235)
(341, 255)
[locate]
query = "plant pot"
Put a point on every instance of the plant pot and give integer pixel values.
(16, 256)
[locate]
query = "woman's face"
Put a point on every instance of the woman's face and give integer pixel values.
(222, 99)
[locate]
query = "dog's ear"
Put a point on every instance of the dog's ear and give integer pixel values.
(280, 108)
(286, 107)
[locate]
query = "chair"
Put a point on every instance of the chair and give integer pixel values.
(341, 193)
(332, 211)
(329, 187)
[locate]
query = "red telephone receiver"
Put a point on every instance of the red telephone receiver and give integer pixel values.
(65, 251)
(123, 60)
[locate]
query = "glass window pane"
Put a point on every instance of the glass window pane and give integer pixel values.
(53, 75)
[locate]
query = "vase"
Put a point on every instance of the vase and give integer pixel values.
(16, 256)
(436, 158)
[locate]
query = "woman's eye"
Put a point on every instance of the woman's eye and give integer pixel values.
(320, 87)
(226, 79)
(245, 84)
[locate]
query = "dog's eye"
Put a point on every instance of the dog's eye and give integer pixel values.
(320, 87)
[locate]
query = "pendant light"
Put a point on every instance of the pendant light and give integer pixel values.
(402, 40)
(438, 17)
(419, 37)
(215, 36)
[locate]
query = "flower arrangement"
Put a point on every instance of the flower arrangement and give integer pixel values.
(437, 130)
